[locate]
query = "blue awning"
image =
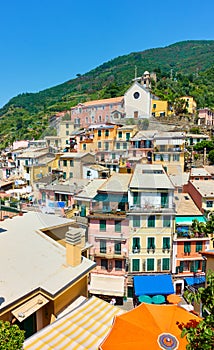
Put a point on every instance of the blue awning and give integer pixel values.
(111, 197)
(195, 280)
(182, 220)
(153, 284)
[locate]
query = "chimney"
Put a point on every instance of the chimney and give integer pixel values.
(73, 246)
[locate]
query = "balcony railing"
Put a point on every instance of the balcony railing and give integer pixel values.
(150, 251)
(151, 208)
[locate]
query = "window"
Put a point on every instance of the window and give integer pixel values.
(71, 175)
(150, 264)
(209, 204)
(136, 245)
(117, 226)
(166, 243)
(67, 132)
(198, 247)
(164, 200)
(154, 105)
(194, 266)
(43, 196)
(104, 264)
(176, 157)
(84, 146)
(124, 145)
(99, 144)
(102, 246)
(64, 162)
(71, 163)
(117, 145)
(106, 146)
(136, 95)
(67, 126)
(136, 199)
(150, 243)
(118, 265)
(102, 225)
(135, 265)
(151, 221)
(107, 132)
(64, 175)
(167, 221)
(187, 247)
(120, 134)
(117, 247)
(99, 133)
(136, 221)
(100, 118)
(127, 136)
(165, 264)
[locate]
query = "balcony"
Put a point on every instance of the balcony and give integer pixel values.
(108, 254)
(150, 251)
(190, 235)
(150, 209)
(107, 213)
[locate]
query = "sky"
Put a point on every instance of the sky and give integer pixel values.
(47, 42)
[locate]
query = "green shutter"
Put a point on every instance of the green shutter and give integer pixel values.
(166, 243)
(117, 226)
(181, 269)
(187, 247)
(135, 264)
(136, 199)
(102, 246)
(150, 264)
(165, 264)
(151, 243)
(136, 243)
(136, 221)
(198, 247)
(151, 221)
(117, 248)
(102, 225)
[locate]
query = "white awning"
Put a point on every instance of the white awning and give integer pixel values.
(25, 310)
(107, 285)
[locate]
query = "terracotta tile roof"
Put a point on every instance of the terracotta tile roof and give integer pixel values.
(104, 101)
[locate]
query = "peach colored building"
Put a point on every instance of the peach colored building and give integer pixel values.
(98, 111)
(206, 116)
(108, 231)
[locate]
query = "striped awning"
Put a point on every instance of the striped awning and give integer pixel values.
(83, 328)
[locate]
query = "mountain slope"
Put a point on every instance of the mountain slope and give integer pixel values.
(189, 62)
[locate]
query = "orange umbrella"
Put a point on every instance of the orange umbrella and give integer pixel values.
(173, 298)
(149, 326)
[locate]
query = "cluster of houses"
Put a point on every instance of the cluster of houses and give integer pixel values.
(100, 203)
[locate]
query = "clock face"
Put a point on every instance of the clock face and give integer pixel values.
(136, 95)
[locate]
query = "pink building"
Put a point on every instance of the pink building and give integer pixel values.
(108, 234)
(205, 116)
(98, 111)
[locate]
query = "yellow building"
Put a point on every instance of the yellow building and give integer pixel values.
(159, 108)
(46, 270)
(190, 104)
(152, 219)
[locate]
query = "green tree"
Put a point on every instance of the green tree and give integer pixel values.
(11, 337)
(211, 156)
(201, 335)
(209, 145)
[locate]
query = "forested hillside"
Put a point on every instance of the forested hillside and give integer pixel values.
(184, 68)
